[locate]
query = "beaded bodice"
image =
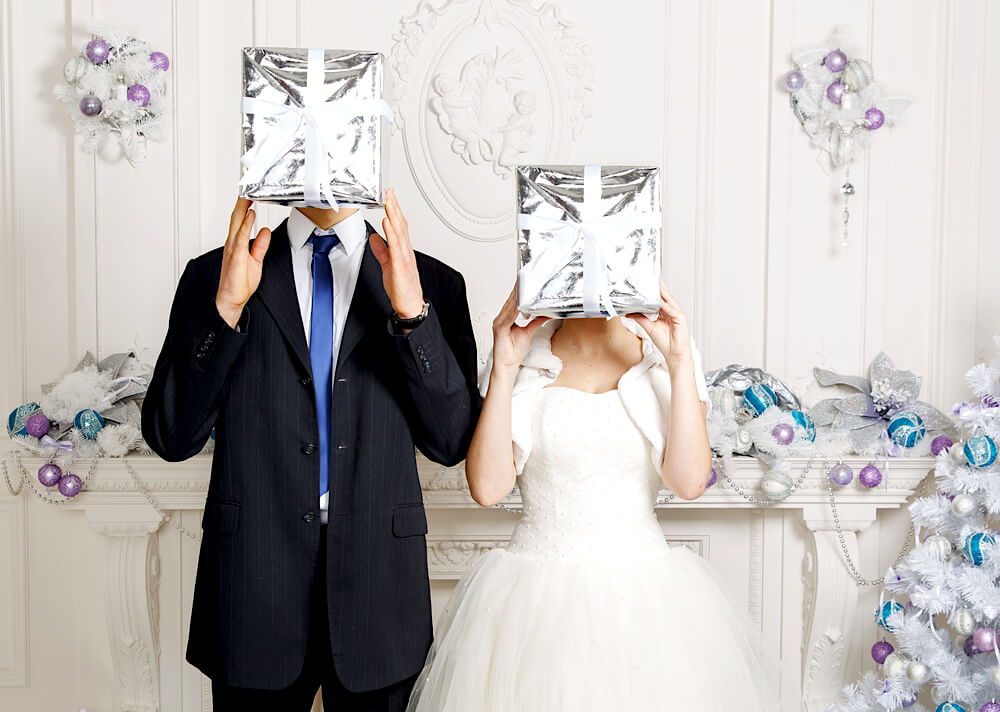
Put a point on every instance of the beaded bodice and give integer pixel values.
(588, 486)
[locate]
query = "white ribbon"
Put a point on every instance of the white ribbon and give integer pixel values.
(123, 384)
(320, 120)
(593, 228)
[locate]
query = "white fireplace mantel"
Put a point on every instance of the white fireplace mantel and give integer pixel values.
(128, 523)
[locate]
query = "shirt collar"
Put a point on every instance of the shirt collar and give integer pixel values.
(351, 230)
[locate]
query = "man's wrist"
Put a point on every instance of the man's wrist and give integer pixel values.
(411, 309)
(229, 313)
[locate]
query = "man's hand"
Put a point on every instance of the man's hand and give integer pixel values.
(241, 265)
(399, 264)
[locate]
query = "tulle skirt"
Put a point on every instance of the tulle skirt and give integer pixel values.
(532, 633)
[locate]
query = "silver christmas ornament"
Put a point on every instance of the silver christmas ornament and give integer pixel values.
(918, 673)
(995, 675)
(743, 441)
(963, 505)
(75, 69)
(938, 546)
(857, 76)
(963, 622)
(776, 485)
(723, 399)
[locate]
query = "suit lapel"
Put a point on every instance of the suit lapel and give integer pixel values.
(277, 293)
(370, 305)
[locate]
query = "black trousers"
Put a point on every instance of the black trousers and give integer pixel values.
(317, 673)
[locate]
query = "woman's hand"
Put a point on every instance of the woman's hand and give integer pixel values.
(510, 342)
(670, 330)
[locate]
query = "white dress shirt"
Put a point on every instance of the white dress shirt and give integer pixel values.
(345, 260)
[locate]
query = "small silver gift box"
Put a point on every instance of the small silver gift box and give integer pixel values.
(588, 240)
(315, 127)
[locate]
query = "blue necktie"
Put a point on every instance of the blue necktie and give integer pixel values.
(321, 347)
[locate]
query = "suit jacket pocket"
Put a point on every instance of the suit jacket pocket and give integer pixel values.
(221, 517)
(409, 520)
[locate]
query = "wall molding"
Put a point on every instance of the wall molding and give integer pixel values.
(13, 591)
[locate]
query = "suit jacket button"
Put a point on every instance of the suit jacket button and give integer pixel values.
(306, 381)
(308, 448)
(309, 517)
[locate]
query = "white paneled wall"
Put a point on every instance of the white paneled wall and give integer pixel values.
(92, 248)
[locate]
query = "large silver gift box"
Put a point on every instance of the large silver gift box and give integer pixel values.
(588, 240)
(315, 127)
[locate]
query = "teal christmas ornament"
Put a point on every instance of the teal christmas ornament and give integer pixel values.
(17, 422)
(980, 451)
(973, 548)
(887, 609)
(906, 428)
(89, 423)
(804, 425)
(949, 707)
(758, 398)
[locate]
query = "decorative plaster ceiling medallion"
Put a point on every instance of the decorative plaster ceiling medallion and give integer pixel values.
(479, 87)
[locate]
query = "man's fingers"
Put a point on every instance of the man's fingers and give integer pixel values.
(260, 245)
(243, 234)
(390, 232)
(379, 249)
(238, 214)
(399, 224)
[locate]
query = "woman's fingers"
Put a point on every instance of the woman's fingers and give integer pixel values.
(643, 321)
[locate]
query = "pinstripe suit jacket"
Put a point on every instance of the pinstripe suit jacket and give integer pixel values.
(250, 617)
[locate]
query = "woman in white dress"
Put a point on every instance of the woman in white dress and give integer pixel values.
(589, 608)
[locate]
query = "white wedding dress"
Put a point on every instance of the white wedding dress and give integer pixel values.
(589, 608)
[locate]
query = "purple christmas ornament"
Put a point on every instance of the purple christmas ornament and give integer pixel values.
(910, 702)
(783, 433)
(49, 475)
(881, 650)
(836, 61)
(870, 476)
(875, 118)
(841, 474)
(90, 105)
(37, 425)
(990, 707)
(139, 94)
(98, 51)
(793, 80)
(835, 92)
(159, 61)
(940, 444)
(712, 478)
(70, 485)
(984, 639)
(970, 647)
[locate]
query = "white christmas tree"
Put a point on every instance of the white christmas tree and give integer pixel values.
(939, 607)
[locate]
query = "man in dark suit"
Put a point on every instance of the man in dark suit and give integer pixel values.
(320, 355)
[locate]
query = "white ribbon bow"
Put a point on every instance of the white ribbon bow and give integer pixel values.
(592, 228)
(321, 120)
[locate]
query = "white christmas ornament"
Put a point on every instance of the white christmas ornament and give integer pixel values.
(896, 665)
(963, 622)
(963, 505)
(918, 673)
(938, 546)
(995, 675)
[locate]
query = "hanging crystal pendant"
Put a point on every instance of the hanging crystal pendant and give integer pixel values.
(847, 190)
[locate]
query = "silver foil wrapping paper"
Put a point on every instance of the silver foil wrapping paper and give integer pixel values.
(588, 240)
(315, 127)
